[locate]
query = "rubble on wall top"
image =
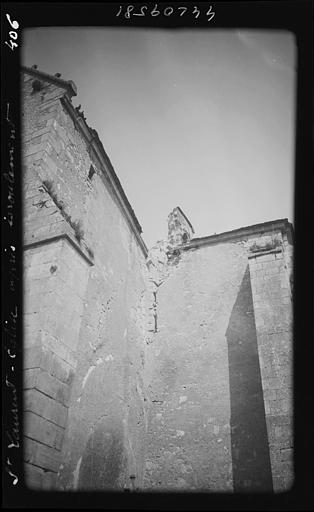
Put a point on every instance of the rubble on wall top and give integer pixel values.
(180, 230)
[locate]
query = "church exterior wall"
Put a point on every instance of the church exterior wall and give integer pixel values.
(170, 370)
(220, 361)
(84, 275)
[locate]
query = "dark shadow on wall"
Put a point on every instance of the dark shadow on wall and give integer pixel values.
(249, 442)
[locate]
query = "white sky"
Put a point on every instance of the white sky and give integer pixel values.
(198, 118)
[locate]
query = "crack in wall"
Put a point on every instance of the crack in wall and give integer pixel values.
(162, 259)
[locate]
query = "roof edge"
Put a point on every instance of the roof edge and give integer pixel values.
(94, 143)
(69, 85)
(280, 224)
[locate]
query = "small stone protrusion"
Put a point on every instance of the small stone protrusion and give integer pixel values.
(58, 75)
(180, 230)
(34, 66)
(37, 85)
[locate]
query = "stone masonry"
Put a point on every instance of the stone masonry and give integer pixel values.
(162, 370)
(219, 364)
(84, 294)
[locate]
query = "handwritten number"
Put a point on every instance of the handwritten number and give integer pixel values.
(11, 45)
(142, 13)
(166, 13)
(155, 11)
(196, 11)
(184, 9)
(13, 34)
(14, 24)
(210, 13)
(129, 9)
(15, 481)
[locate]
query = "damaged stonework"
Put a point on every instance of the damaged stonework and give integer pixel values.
(207, 405)
(162, 257)
(180, 230)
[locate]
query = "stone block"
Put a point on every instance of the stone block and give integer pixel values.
(270, 394)
(62, 370)
(276, 407)
(39, 133)
(271, 382)
(284, 469)
(284, 393)
(41, 455)
(42, 430)
(29, 378)
(33, 477)
(45, 117)
(46, 407)
(34, 148)
(32, 357)
(52, 387)
(286, 454)
(279, 484)
(61, 350)
(49, 481)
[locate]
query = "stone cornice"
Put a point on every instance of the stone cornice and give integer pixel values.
(282, 225)
(68, 85)
(95, 146)
(55, 238)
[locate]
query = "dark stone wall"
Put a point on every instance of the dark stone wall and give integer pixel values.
(249, 442)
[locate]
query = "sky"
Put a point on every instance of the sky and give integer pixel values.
(203, 119)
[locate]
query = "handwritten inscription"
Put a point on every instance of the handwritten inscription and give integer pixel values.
(9, 174)
(13, 33)
(10, 317)
(128, 11)
(13, 430)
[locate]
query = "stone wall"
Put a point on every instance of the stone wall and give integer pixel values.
(84, 305)
(271, 271)
(215, 360)
(172, 372)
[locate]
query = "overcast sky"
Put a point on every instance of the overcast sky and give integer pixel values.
(198, 118)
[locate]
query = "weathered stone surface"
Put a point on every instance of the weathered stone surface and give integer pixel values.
(85, 312)
(43, 430)
(189, 383)
(272, 295)
(41, 455)
(172, 373)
